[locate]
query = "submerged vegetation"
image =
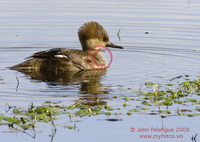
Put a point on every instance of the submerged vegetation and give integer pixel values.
(164, 100)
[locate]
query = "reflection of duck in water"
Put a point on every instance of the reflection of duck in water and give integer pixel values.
(89, 81)
(91, 34)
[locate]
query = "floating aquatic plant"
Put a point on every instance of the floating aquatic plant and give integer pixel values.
(160, 96)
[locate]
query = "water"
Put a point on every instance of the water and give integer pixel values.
(159, 38)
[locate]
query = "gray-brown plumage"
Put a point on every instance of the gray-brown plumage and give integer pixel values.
(90, 34)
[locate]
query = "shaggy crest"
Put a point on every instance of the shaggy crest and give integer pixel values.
(91, 30)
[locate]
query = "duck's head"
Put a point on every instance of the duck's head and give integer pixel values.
(93, 34)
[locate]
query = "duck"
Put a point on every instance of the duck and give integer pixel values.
(92, 36)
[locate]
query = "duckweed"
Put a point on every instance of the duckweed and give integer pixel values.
(167, 112)
(1, 118)
(151, 83)
(69, 127)
(145, 108)
(163, 98)
(127, 99)
(109, 108)
(129, 113)
(168, 101)
(169, 84)
(134, 110)
(192, 115)
(179, 102)
(107, 113)
(145, 103)
(16, 111)
(191, 100)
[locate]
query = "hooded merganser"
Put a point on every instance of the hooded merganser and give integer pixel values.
(91, 34)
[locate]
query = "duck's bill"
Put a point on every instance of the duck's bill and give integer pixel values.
(114, 46)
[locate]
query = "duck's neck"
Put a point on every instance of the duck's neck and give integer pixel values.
(97, 58)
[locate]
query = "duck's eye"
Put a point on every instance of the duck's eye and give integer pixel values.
(101, 39)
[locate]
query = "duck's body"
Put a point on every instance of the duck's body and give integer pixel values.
(62, 59)
(91, 35)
